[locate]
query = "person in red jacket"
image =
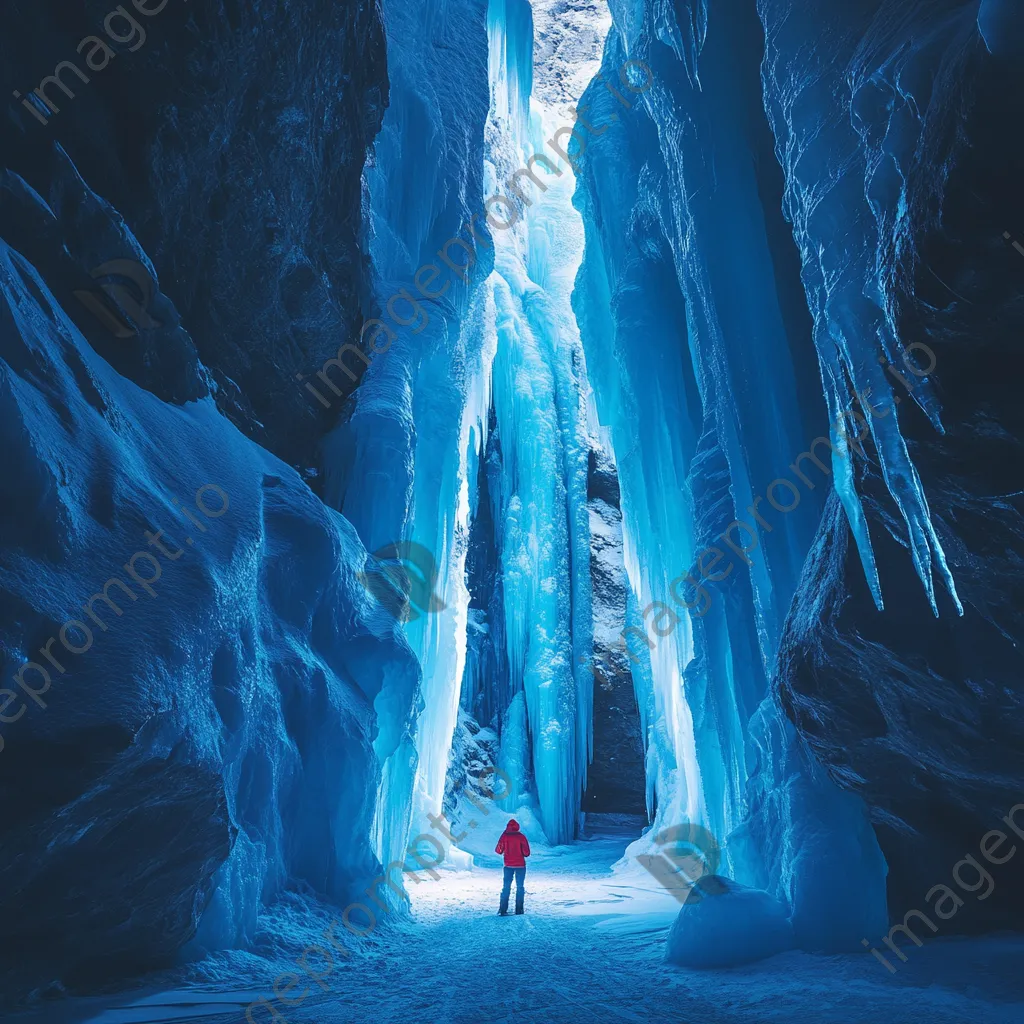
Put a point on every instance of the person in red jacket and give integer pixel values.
(515, 848)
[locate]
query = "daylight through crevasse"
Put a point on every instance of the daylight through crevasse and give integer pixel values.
(512, 511)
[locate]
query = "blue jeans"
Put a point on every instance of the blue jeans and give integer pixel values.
(506, 888)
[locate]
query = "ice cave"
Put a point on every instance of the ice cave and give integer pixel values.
(457, 448)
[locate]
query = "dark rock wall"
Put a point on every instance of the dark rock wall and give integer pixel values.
(486, 684)
(213, 740)
(232, 142)
(616, 779)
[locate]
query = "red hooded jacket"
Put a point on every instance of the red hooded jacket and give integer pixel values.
(514, 845)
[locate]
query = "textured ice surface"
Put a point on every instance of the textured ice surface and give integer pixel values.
(703, 370)
(218, 740)
(847, 166)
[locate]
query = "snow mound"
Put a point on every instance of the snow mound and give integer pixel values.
(724, 923)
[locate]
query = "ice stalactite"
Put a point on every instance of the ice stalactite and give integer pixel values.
(515, 752)
(848, 171)
(510, 34)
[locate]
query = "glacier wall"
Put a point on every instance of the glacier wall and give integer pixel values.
(211, 731)
(702, 361)
(907, 235)
(198, 726)
(401, 462)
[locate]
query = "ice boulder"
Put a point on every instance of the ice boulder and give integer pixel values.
(724, 923)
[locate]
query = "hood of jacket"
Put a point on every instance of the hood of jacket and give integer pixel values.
(512, 826)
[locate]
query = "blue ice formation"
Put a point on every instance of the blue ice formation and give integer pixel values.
(536, 383)
(702, 362)
(230, 715)
(399, 462)
(723, 924)
(483, 379)
(670, 240)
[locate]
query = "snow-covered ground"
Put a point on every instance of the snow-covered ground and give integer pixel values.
(590, 948)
